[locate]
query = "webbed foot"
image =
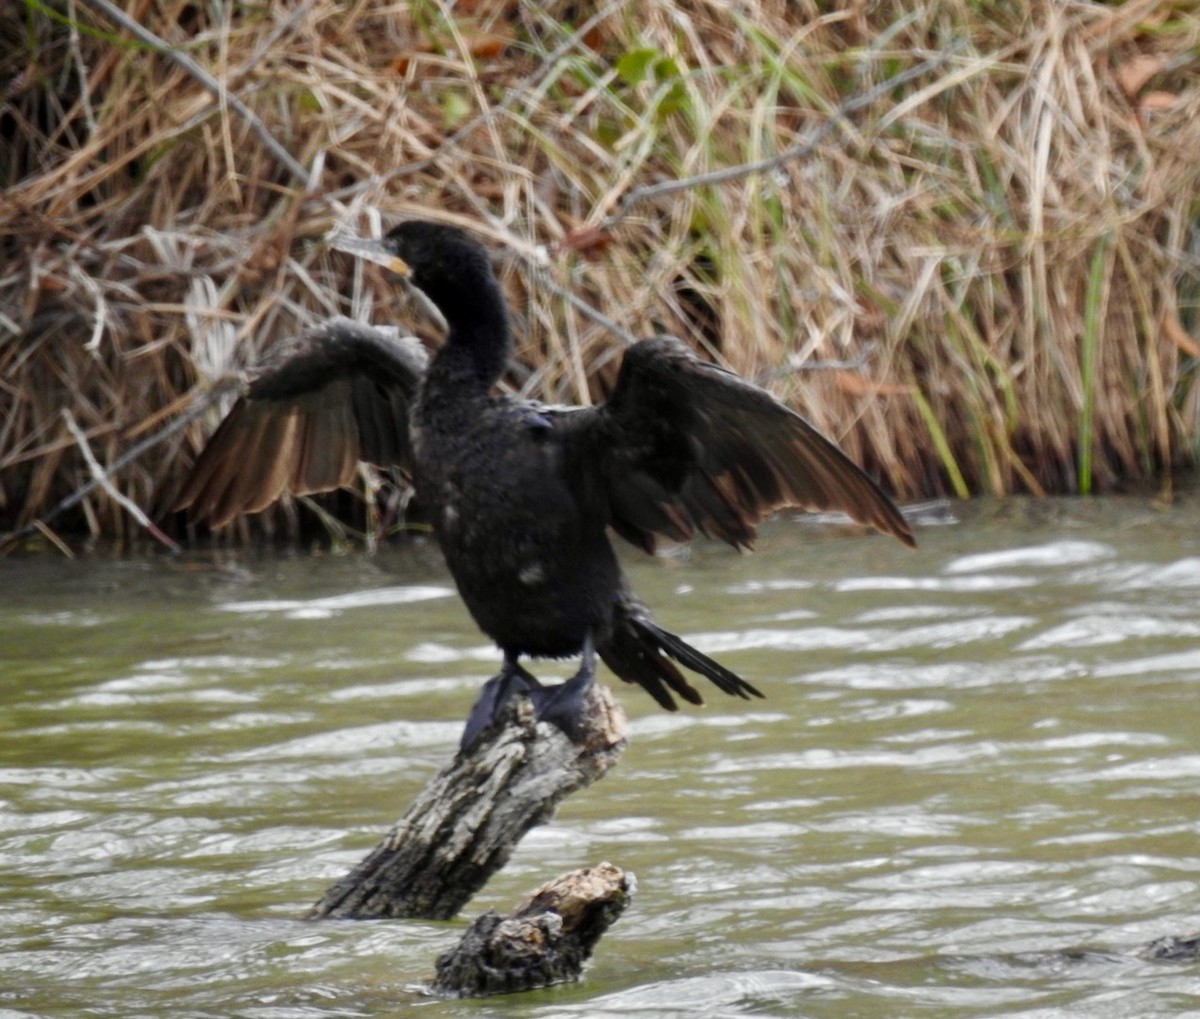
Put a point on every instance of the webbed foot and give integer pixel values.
(565, 705)
(511, 681)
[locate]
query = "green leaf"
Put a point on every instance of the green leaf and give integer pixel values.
(665, 69)
(675, 99)
(636, 66)
(455, 109)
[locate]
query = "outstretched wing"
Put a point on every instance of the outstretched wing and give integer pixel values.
(685, 446)
(338, 395)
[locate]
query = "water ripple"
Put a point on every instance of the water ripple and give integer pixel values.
(325, 608)
(1050, 555)
(970, 792)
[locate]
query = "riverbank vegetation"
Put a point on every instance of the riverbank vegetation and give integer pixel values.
(962, 239)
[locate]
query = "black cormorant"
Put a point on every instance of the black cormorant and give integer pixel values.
(521, 494)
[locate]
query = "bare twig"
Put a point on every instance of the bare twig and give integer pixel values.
(578, 303)
(272, 39)
(100, 476)
(85, 99)
(537, 260)
(547, 65)
(797, 151)
(852, 364)
(209, 83)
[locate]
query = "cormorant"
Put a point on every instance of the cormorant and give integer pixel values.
(523, 494)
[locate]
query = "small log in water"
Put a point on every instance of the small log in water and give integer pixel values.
(1184, 948)
(545, 940)
(466, 822)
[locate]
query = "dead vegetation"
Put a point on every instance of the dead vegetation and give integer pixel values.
(995, 261)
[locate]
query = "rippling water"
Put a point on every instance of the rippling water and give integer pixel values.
(973, 790)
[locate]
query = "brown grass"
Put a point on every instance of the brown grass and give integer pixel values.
(1000, 255)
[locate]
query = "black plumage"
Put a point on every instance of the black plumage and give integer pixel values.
(521, 494)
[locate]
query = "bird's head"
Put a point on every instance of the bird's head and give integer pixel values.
(445, 264)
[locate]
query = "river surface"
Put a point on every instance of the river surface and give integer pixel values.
(972, 791)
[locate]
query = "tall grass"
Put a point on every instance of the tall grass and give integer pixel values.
(996, 263)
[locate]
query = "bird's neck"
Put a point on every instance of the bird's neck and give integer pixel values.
(479, 341)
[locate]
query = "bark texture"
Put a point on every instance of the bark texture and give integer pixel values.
(544, 941)
(466, 822)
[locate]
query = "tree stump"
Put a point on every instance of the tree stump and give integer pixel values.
(546, 940)
(466, 822)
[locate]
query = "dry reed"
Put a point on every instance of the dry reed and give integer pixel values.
(997, 260)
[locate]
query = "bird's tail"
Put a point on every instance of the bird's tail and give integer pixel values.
(641, 652)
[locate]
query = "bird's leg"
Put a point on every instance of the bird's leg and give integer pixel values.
(566, 704)
(513, 679)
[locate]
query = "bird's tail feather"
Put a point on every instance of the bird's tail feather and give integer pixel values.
(641, 652)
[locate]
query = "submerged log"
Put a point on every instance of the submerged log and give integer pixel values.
(466, 822)
(1185, 948)
(545, 940)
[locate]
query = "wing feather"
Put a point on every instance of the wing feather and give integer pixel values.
(317, 407)
(686, 446)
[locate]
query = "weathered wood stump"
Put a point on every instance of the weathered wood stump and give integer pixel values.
(466, 822)
(544, 941)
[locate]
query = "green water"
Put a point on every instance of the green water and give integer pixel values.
(975, 761)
